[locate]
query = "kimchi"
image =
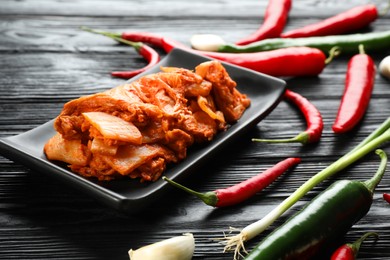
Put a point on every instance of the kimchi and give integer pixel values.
(137, 128)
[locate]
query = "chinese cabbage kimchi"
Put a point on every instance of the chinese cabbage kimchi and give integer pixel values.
(137, 128)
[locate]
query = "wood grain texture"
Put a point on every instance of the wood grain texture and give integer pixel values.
(47, 60)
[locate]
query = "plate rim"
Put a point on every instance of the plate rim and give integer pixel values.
(11, 149)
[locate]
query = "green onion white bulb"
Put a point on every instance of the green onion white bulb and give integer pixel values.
(206, 42)
(175, 248)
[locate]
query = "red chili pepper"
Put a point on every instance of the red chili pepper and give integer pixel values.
(242, 191)
(145, 37)
(386, 197)
(275, 19)
(313, 119)
(350, 251)
(285, 62)
(148, 53)
(348, 21)
(359, 85)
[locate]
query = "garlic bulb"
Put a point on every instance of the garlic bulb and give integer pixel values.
(206, 42)
(384, 67)
(175, 248)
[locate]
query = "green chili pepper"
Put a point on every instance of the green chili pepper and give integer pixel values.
(346, 43)
(323, 221)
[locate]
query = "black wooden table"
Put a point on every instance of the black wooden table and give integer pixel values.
(46, 60)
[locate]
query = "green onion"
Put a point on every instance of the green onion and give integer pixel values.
(179, 247)
(378, 137)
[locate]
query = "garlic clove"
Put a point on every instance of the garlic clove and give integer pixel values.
(206, 42)
(384, 67)
(175, 248)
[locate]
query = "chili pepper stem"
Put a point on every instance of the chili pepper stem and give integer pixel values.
(361, 49)
(236, 242)
(209, 198)
(334, 52)
(374, 181)
(355, 246)
(302, 137)
(136, 45)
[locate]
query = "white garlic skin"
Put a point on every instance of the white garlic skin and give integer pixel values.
(384, 67)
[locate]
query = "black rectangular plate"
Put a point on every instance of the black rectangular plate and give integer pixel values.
(129, 195)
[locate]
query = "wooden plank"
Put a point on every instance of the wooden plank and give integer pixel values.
(171, 8)
(46, 61)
